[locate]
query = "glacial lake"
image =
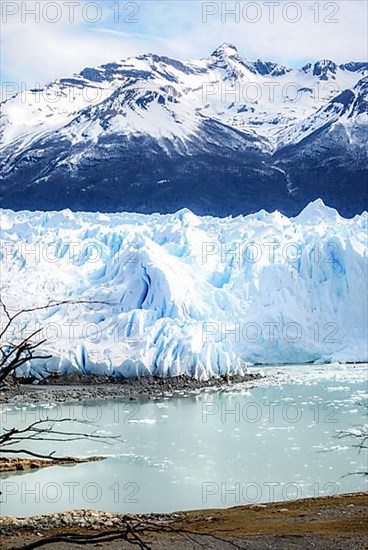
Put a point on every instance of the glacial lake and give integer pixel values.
(270, 442)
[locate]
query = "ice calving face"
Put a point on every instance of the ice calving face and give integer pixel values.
(180, 293)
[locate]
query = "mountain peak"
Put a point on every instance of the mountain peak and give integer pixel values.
(225, 49)
(323, 68)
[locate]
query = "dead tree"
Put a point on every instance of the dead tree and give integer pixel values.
(136, 531)
(44, 430)
(14, 354)
(359, 435)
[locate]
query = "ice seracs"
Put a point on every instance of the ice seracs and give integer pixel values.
(181, 293)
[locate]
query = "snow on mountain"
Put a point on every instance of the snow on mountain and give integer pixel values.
(349, 110)
(220, 86)
(181, 293)
(132, 123)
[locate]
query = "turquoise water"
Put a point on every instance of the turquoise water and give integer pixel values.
(276, 441)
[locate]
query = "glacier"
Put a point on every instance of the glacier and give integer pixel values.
(175, 294)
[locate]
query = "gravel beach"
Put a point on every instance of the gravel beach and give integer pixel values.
(86, 388)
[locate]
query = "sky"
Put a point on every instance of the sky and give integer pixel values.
(43, 40)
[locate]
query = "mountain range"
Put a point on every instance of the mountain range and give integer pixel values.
(221, 136)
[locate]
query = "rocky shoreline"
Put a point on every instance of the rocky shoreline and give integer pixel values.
(17, 464)
(60, 389)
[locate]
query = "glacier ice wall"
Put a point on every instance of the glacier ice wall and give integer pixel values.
(173, 294)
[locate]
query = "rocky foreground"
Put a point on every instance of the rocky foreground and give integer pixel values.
(337, 523)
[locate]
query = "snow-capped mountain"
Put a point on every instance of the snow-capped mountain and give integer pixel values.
(179, 293)
(220, 135)
(348, 109)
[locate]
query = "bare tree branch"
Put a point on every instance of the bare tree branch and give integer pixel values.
(133, 532)
(43, 430)
(49, 305)
(14, 355)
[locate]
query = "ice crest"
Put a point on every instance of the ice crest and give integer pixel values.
(317, 212)
(184, 294)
